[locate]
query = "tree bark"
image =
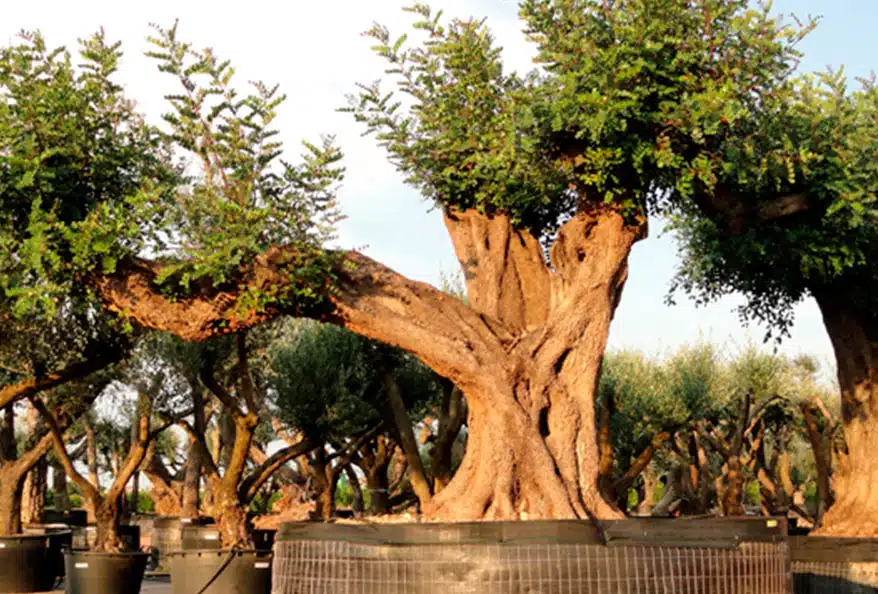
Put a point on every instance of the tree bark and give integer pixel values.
(324, 480)
(526, 351)
(33, 501)
(60, 492)
(854, 335)
(452, 414)
(192, 477)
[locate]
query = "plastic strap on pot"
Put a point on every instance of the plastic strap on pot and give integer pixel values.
(221, 569)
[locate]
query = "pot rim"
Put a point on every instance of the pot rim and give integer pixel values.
(220, 552)
(19, 537)
(83, 553)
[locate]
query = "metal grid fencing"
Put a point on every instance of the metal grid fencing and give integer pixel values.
(824, 565)
(527, 565)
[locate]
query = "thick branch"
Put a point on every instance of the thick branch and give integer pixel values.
(368, 298)
(640, 463)
(34, 386)
(504, 267)
(254, 482)
(736, 212)
(89, 490)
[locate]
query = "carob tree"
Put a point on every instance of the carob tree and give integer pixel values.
(545, 182)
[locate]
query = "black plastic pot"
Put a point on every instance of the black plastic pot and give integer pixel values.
(130, 537)
(71, 517)
(221, 572)
(197, 538)
(60, 537)
(24, 563)
(263, 539)
(104, 573)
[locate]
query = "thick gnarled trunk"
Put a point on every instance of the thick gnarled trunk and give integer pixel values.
(526, 349)
(532, 448)
(854, 337)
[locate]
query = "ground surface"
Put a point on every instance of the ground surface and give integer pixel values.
(150, 586)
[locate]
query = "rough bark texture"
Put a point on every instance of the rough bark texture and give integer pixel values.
(166, 489)
(374, 458)
(822, 447)
(33, 499)
(526, 351)
(854, 336)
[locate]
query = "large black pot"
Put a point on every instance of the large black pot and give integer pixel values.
(60, 537)
(221, 572)
(104, 573)
(197, 538)
(24, 562)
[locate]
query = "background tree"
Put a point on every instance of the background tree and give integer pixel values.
(343, 393)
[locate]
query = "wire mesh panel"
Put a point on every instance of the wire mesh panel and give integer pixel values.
(456, 561)
(834, 565)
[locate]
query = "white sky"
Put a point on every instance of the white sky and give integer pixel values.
(313, 49)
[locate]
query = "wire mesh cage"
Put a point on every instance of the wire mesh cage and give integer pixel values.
(630, 556)
(823, 565)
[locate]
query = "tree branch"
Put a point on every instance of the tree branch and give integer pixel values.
(254, 482)
(207, 461)
(367, 297)
(88, 489)
(640, 463)
(33, 386)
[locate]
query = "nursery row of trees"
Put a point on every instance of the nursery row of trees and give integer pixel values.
(351, 411)
(112, 226)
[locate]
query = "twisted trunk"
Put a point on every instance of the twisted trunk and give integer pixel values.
(526, 350)
(854, 336)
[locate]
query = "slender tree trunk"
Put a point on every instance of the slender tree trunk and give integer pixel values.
(135, 493)
(401, 421)
(354, 481)
(91, 452)
(647, 499)
(733, 496)
(33, 502)
(192, 478)
(61, 494)
(10, 499)
(379, 489)
(324, 481)
(854, 337)
(34, 491)
(452, 414)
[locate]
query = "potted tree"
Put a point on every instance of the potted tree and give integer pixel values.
(110, 565)
(235, 565)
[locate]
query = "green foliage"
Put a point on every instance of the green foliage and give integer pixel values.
(327, 381)
(244, 198)
(652, 396)
(75, 161)
(86, 184)
(145, 502)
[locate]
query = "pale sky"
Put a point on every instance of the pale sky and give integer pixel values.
(314, 51)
